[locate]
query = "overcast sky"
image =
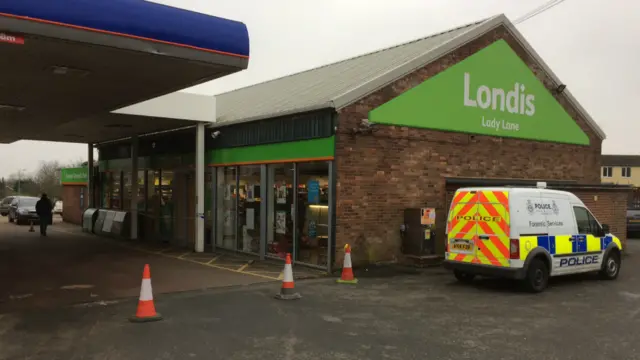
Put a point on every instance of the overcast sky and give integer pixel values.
(589, 44)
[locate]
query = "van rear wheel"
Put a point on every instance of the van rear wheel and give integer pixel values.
(463, 276)
(537, 276)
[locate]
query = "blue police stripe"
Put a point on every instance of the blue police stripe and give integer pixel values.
(139, 18)
(605, 241)
(548, 243)
(579, 244)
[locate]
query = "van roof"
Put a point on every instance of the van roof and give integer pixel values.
(516, 190)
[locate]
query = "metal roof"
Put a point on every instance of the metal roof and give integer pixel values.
(317, 88)
(339, 84)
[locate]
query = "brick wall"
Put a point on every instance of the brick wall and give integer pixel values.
(379, 175)
(609, 207)
(71, 211)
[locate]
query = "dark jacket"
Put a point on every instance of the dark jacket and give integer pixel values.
(44, 207)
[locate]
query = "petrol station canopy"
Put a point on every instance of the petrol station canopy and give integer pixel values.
(66, 65)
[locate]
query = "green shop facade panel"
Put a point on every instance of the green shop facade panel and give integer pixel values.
(292, 151)
(492, 92)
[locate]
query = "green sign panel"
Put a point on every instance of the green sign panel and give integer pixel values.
(307, 150)
(77, 176)
(492, 92)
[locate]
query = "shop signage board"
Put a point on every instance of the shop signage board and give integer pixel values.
(492, 92)
(74, 176)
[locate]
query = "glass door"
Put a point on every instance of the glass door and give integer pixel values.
(280, 210)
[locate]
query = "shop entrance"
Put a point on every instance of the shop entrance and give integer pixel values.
(274, 209)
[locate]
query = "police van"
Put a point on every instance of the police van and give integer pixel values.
(527, 234)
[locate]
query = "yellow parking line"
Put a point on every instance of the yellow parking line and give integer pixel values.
(181, 257)
(243, 267)
(209, 265)
(161, 253)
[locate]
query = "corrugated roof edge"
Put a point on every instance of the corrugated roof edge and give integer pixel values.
(483, 27)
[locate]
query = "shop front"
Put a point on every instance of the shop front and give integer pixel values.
(275, 199)
(267, 200)
(164, 191)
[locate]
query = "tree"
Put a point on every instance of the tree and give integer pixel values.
(3, 188)
(47, 178)
(21, 184)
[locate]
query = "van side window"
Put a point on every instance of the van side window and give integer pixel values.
(583, 220)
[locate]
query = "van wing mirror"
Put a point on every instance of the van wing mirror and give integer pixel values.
(605, 229)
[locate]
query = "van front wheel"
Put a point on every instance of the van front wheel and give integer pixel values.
(463, 276)
(611, 267)
(537, 276)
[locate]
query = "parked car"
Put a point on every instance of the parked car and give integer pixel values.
(633, 222)
(4, 205)
(57, 207)
(23, 210)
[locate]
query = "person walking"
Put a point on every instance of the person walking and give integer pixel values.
(44, 210)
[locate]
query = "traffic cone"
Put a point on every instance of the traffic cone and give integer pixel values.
(287, 291)
(347, 271)
(146, 309)
(31, 227)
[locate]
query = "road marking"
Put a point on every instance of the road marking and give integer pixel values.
(243, 267)
(161, 253)
(181, 257)
(208, 264)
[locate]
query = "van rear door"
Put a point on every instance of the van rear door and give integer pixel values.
(493, 227)
(461, 226)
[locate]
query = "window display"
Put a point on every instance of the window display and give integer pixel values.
(115, 199)
(280, 209)
(312, 224)
(227, 199)
(126, 190)
(249, 209)
(166, 205)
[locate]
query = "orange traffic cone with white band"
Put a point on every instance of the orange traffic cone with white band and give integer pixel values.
(287, 291)
(146, 309)
(347, 271)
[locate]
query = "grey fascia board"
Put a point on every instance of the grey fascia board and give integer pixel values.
(410, 66)
(389, 77)
(325, 105)
(521, 39)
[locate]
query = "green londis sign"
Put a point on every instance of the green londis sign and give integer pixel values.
(492, 92)
(74, 176)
